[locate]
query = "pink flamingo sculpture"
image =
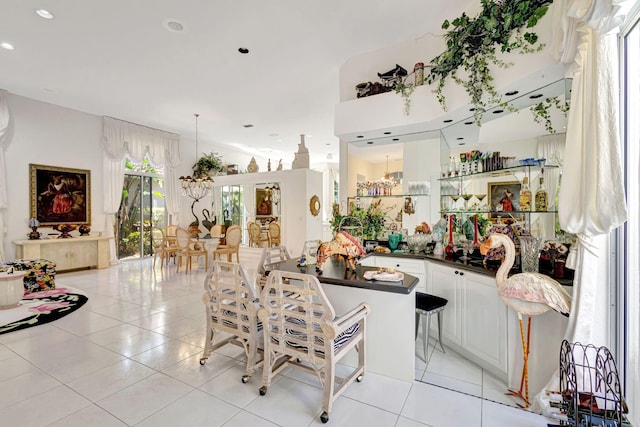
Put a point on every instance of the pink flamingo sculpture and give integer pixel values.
(529, 294)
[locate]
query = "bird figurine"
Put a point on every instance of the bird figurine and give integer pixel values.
(529, 294)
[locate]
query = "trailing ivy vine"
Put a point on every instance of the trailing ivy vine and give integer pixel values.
(542, 111)
(472, 44)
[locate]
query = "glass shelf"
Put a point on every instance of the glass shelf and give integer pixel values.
(498, 172)
(473, 212)
(382, 196)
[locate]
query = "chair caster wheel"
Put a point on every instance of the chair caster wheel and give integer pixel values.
(245, 378)
(203, 361)
(324, 417)
(263, 391)
(359, 378)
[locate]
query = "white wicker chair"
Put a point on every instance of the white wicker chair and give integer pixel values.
(269, 256)
(231, 304)
(300, 329)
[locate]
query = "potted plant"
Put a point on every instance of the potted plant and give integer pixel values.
(207, 165)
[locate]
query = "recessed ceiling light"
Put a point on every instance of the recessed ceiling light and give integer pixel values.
(370, 142)
(44, 14)
(174, 25)
(459, 138)
(387, 133)
(498, 111)
(472, 109)
(462, 143)
(396, 139)
(243, 50)
(327, 143)
(468, 123)
(512, 92)
(360, 136)
(536, 96)
(447, 121)
(248, 125)
(7, 45)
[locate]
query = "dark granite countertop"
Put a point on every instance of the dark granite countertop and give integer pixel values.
(336, 273)
(474, 265)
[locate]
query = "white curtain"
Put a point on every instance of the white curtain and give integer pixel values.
(592, 200)
(120, 139)
(551, 147)
(4, 143)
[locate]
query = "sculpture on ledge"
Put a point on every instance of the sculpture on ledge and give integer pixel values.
(301, 158)
(345, 246)
(65, 229)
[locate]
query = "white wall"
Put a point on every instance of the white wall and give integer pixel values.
(47, 134)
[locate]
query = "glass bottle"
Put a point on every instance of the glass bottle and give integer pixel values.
(525, 195)
(541, 197)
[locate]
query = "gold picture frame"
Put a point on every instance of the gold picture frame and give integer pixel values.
(60, 195)
(504, 201)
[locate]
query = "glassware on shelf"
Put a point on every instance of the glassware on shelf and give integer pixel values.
(455, 198)
(466, 197)
(480, 198)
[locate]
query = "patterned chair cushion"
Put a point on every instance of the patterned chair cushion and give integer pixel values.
(340, 340)
(40, 275)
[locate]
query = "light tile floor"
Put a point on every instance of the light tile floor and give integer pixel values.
(130, 356)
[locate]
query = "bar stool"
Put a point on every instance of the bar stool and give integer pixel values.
(426, 306)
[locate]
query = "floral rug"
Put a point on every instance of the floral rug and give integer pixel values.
(39, 308)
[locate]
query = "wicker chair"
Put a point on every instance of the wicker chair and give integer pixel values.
(256, 235)
(274, 234)
(269, 256)
(188, 247)
(300, 329)
(231, 305)
(233, 237)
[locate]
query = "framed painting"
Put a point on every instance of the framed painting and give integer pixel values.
(504, 201)
(60, 195)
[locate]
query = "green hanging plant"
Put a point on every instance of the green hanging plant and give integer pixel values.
(472, 44)
(405, 90)
(208, 164)
(542, 111)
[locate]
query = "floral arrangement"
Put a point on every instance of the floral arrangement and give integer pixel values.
(554, 249)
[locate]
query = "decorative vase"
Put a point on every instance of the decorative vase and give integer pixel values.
(439, 249)
(394, 241)
(529, 251)
(84, 230)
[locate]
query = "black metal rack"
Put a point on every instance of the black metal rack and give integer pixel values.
(590, 387)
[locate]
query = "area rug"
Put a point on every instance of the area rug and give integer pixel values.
(39, 308)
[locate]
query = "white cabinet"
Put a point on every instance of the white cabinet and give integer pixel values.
(475, 319)
(444, 282)
(484, 321)
(68, 254)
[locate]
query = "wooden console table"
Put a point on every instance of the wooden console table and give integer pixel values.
(68, 254)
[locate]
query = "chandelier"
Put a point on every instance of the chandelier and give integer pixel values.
(197, 186)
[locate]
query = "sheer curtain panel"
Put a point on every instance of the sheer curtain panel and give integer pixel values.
(121, 139)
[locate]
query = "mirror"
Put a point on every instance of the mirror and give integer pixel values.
(267, 202)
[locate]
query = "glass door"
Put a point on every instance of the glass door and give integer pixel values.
(142, 207)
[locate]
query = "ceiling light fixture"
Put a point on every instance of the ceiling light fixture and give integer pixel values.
(197, 186)
(386, 179)
(173, 25)
(243, 50)
(248, 125)
(7, 45)
(42, 13)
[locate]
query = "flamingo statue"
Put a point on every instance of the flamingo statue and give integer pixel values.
(529, 294)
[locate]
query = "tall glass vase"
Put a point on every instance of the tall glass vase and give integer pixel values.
(529, 252)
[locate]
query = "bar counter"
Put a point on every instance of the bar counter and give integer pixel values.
(390, 339)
